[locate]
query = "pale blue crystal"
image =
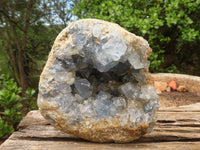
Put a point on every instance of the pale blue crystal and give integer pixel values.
(130, 90)
(103, 104)
(83, 87)
(148, 93)
(117, 105)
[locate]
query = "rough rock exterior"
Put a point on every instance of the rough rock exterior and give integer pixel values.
(95, 84)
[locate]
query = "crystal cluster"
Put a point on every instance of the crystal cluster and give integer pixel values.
(95, 84)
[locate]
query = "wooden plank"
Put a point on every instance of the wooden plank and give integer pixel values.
(187, 108)
(64, 144)
(177, 128)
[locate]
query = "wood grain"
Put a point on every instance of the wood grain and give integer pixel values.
(177, 128)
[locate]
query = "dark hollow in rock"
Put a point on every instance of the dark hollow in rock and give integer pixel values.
(95, 84)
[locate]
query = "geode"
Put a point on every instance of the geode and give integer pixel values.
(95, 84)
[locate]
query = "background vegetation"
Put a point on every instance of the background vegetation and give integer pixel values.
(170, 26)
(29, 27)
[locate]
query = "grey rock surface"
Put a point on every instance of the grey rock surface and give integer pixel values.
(95, 84)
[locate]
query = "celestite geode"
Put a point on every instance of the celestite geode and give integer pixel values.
(95, 84)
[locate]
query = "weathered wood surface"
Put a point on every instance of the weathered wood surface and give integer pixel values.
(177, 128)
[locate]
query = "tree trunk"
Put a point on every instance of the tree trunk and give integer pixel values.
(20, 41)
(22, 74)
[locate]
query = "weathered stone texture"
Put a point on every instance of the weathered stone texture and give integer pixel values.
(95, 84)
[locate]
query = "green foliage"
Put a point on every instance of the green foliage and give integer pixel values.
(171, 69)
(156, 60)
(5, 129)
(169, 26)
(30, 99)
(11, 104)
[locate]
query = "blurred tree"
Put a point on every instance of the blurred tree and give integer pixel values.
(27, 31)
(58, 12)
(171, 27)
(16, 17)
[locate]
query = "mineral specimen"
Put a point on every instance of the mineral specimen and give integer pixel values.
(95, 84)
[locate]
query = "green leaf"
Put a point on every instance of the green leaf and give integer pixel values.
(7, 112)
